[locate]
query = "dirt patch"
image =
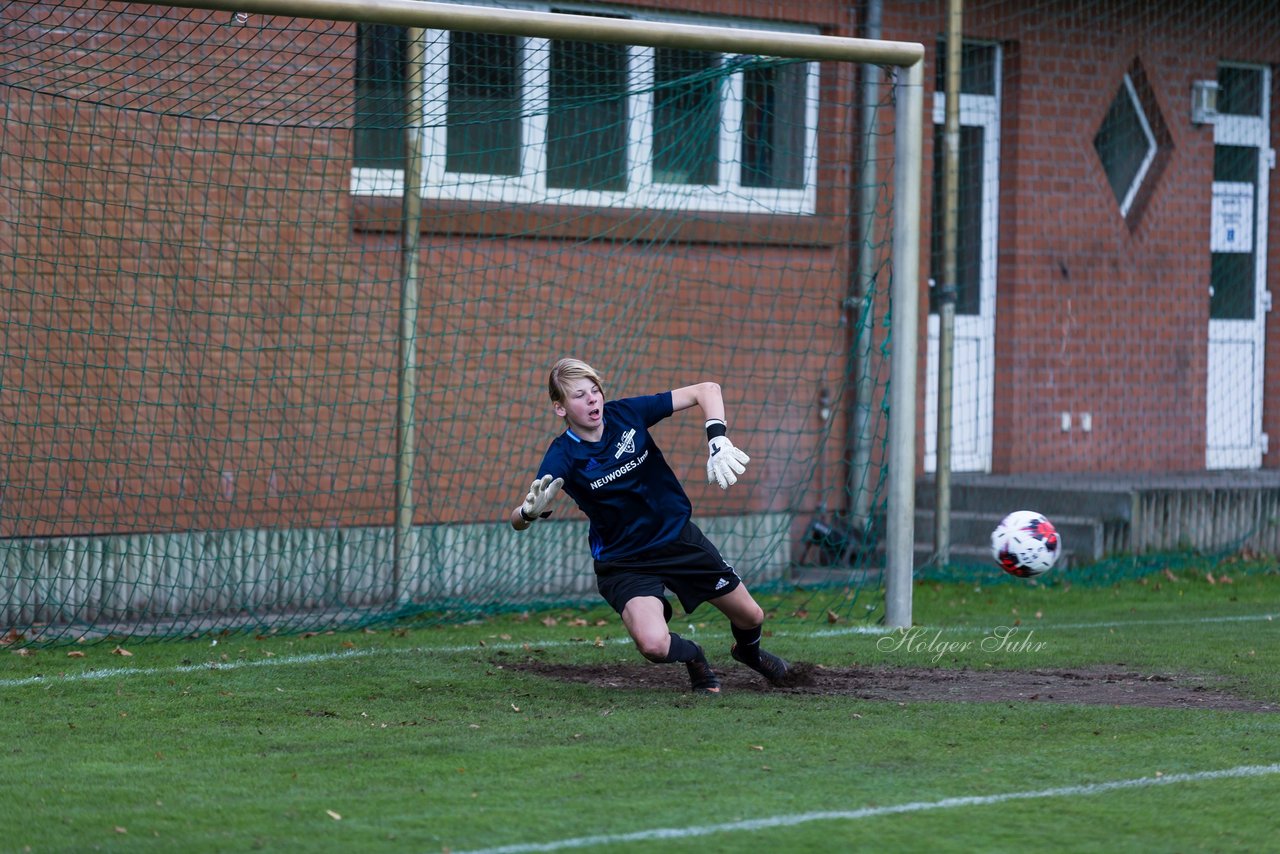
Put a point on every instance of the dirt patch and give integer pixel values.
(1095, 686)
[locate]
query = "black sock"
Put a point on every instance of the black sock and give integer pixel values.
(748, 641)
(682, 650)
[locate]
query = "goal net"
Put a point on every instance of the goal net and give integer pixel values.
(281, 295)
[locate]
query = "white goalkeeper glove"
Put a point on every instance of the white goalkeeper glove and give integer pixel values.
(541, 492)
(725, 462)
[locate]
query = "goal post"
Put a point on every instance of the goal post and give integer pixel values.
(216, 328)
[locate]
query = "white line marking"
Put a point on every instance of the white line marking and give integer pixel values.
(212, 666)
(665, 833)
(1237, 618)
(275, 661)
(883, 630)
(314, 658)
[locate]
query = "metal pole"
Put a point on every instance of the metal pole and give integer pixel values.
(858, 489)
(410, 231)
(947, 288)
(903, 359)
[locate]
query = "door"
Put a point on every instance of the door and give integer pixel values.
(973, 362)
(1238, 299)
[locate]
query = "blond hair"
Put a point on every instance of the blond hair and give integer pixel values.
(566, 371)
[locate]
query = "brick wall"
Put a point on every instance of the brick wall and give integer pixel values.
(1097, 312)
(202, 327)
(155, 392)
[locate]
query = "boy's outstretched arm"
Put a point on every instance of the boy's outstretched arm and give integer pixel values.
(725, 462)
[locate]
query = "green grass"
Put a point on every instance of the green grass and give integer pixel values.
(424, 739)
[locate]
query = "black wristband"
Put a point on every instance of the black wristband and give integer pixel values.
(715, 427)
(526, 516)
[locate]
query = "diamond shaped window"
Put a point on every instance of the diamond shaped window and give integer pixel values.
(1126, 144)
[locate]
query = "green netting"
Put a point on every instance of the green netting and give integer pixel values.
(202, 265)
(200, 243)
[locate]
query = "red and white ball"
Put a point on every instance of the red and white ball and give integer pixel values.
(1025, 544)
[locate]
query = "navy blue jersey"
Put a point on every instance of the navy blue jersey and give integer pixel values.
(623, 483)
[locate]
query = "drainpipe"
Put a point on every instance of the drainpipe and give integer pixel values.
(858, 487)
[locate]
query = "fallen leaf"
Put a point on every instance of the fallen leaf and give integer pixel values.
(514, 707)
(120, 829)
(549, 621)
(833, 617)
(75, 653)
(122, 651)
(333, 815)
(757, 747)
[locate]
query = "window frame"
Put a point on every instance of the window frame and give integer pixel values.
(1153, 145)
(728, 194)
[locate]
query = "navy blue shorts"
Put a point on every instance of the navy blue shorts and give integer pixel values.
(690, 567)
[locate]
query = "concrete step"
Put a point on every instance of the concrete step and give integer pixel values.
(1055, 501)
(1082, 536)
(1083, 539)
(925, 553)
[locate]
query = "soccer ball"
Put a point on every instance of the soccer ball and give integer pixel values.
(1025, 544)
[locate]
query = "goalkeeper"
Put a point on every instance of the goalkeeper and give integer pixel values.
(641, 535)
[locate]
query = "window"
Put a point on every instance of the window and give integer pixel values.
(482, 112)
(969, 225)
(978, 64)
(516, 119)
(686, 117)
(380, 96)
(773, 127)
(1125, 144)
(1233, 272)
(587, 116)
(1239, 90)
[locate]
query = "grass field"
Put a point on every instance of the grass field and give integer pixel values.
(433, 739)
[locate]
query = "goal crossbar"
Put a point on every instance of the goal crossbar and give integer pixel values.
(587, 28)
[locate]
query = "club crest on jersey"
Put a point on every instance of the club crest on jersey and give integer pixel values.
(627, 445)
